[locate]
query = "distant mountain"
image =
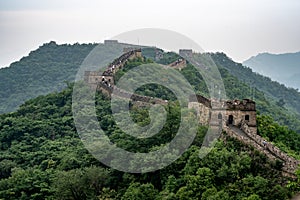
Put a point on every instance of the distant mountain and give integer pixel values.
(284, 68)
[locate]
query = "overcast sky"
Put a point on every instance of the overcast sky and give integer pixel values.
(240, 28)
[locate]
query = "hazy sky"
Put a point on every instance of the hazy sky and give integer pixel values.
(240, 28)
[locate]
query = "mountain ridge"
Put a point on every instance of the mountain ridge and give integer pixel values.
(280, 67)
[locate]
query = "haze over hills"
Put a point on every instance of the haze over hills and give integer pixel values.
(284, 68)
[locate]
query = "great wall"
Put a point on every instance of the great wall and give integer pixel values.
(237, 118)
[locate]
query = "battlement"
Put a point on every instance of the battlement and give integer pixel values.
(233, 111)
(244, 105)
(110, 42)
(128, 49)
(200, 99)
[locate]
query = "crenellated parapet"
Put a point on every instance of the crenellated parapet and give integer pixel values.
(244, 105)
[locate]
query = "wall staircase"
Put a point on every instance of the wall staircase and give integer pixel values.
(245, 135)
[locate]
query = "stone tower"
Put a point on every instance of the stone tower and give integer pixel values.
(230, 113)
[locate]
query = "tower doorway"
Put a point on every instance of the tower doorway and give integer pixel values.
(230, 119)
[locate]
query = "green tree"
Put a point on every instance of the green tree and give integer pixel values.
(137, 191)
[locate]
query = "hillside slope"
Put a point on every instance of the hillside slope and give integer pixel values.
(43, 71)
(47, 69)
(42, 157)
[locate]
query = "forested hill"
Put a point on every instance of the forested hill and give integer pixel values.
(42, 157)
(284, 68)
(43, 71)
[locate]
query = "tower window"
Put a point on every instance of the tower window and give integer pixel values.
(247, 117)
(230, 119)
(219, 116)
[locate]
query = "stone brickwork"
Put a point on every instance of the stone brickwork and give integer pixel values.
(232, 111)
(237, 111)
(137, 98)
(203, 112)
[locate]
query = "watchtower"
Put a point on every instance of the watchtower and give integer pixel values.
(186, 52)
(231, 112)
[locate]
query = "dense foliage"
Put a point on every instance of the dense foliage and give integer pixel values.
(43, 71)
(42, 157)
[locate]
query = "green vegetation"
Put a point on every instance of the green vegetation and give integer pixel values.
(43, 158)
(43, 71)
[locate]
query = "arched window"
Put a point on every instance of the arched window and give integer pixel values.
(219, 116)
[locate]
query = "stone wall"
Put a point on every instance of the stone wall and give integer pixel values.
(105, 82)
(288, 170)
(290, 163)
(92, 77)
(120, 62)
(178, 64)
(135, 97)
(200, 99)
(203, 112)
